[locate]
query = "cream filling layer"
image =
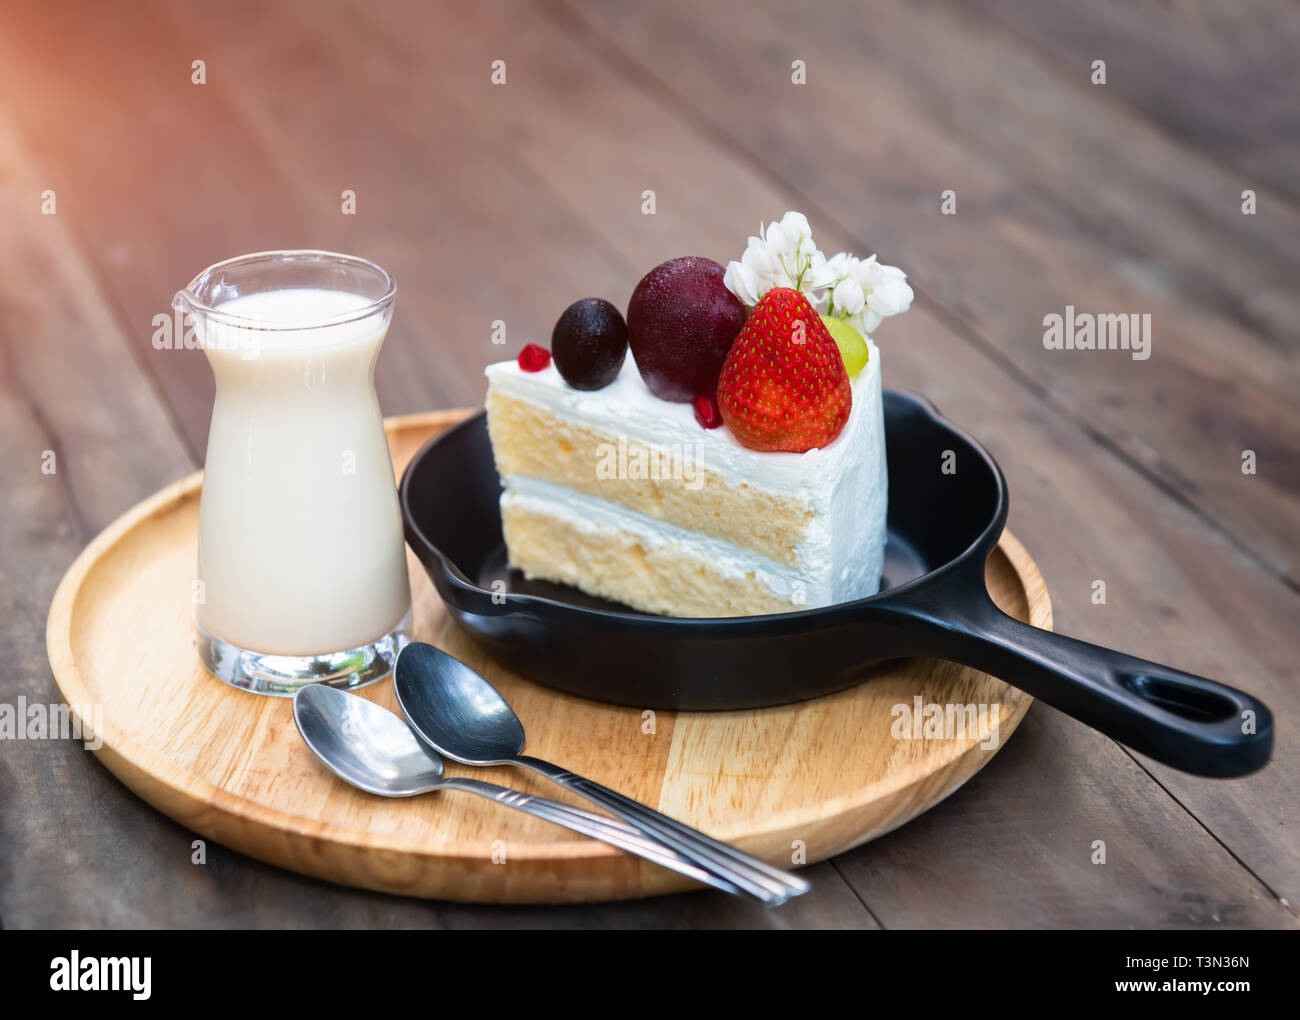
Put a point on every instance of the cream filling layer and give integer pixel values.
(589, 514)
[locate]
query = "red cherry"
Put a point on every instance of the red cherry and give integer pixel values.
(706, 411)
(534, 358)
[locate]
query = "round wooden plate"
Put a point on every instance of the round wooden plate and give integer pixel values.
(796, 783)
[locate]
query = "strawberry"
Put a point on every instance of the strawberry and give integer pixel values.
(783, 386)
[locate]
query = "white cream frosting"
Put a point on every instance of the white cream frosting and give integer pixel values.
(844, 484)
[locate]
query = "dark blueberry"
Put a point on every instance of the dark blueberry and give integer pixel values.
(589, 344)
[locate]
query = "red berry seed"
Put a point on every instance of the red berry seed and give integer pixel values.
(534, 358)
(706, 411)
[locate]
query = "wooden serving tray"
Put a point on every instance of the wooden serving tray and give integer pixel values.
(792, 783)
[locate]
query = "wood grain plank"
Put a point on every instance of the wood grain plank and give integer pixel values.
(831, 904)
(1061, 202)
(1221, 77)
(67, 385)
(152, 168)
(1048, 876)
(285, 124)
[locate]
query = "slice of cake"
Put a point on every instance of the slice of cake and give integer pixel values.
(730, 463)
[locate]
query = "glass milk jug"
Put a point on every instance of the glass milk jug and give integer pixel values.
(301, 559)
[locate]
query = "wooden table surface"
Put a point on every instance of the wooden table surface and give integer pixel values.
(506, 202)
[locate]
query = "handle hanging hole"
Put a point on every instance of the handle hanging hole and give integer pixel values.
(1181, 699)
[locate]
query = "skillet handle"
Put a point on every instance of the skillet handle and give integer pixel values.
(1194, 724)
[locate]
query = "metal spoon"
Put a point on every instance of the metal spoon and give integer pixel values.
(461, 715)
(374, 750)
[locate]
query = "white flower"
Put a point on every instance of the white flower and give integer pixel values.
(848, 296)
(864, 292)
(778, 243)
(820, 273)
(795, 224)
(861, 291)
(840, 265)
(782, 255)
(887, 290)
(742, 281)
(762, 261)
(842, 287)
(865, 322)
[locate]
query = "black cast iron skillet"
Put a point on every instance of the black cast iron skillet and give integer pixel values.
(932, 602)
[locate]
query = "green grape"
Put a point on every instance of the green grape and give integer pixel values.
(853, 349)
